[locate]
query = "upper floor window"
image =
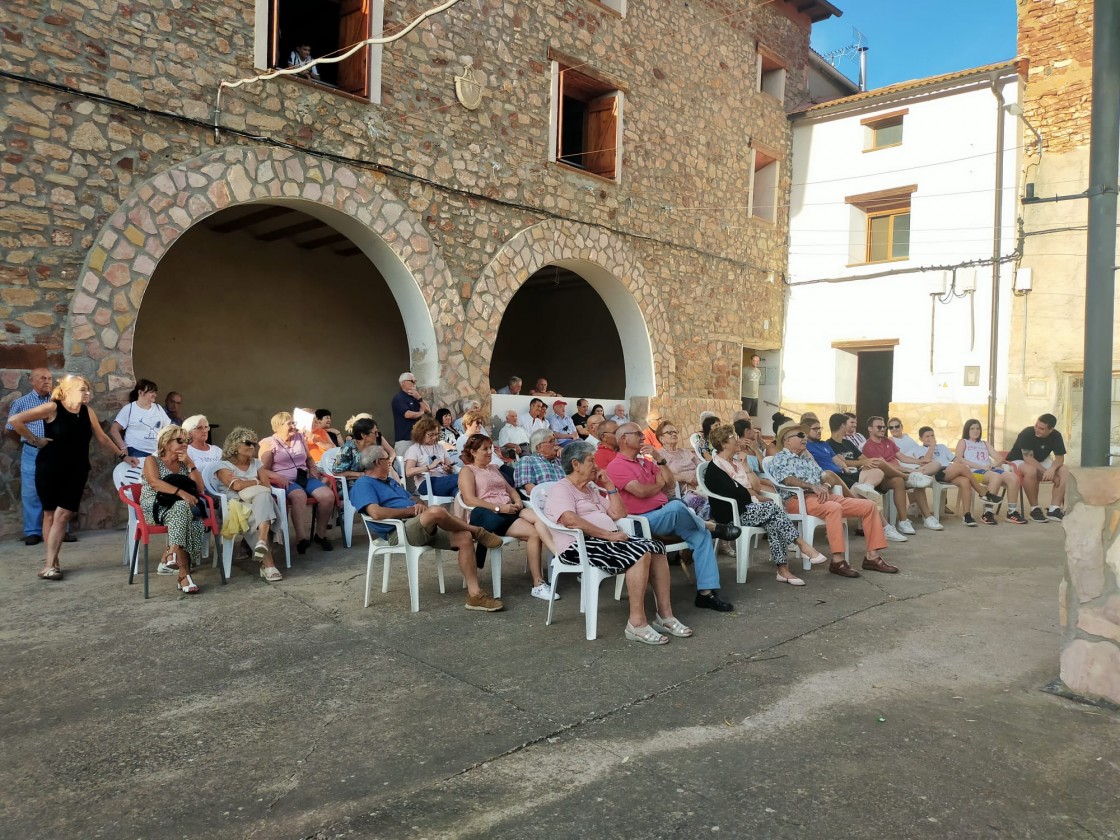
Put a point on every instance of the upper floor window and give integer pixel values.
(881, 227)
(882, 131)
(615, 5)
(771, 74)
(586, 122)
(300, 30)
(764, 185)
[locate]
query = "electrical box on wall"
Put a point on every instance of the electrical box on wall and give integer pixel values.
(1024, 280)
(966, 280)
(972, 375)
(939, 282)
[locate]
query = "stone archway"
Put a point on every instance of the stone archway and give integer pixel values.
(119, 266)
(610, 267)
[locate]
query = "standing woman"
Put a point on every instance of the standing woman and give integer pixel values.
(185, 531)
(140, 421)
(286, 454)
(62, 463)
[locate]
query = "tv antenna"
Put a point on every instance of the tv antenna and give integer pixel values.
(858, 49)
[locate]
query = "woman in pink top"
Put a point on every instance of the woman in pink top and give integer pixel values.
(286, 455)
(497, 508)
(576, 502)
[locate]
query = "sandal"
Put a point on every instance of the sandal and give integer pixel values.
(53, 573)
(670, 626)
(646, 635)
(260, 549)
(168, 563)
(271, 574)
(186, 585)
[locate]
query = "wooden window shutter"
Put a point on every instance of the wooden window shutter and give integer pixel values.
(602, 135)
(353, 73)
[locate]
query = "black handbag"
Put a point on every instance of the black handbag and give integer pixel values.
(164, 501)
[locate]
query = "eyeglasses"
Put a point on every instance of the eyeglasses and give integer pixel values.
(625, 434)
(670, 432)
(895, 426)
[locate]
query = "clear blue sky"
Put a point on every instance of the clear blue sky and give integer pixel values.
(912, 39)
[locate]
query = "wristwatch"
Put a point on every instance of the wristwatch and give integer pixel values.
(497, 508)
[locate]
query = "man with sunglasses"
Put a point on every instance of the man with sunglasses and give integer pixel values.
(884, 452)
(408, 407)
(642, 475)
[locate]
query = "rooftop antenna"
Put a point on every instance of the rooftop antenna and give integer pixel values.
(859, 47)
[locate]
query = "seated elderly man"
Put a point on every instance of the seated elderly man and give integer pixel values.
(541, 389)
(649, 433)
(541, 465)
(608, 444)
(513, 435)
(514, 386)
(380, 497)
(534, 419)
(791, 469)
(620, 416)
(642, 483)
(561, 424)
(594, 421)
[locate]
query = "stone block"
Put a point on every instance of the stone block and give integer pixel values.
(1098, 486)
(1084, 551)
(1092, 669)
(1101, 620)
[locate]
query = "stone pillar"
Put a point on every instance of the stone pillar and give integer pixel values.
(1089, 595)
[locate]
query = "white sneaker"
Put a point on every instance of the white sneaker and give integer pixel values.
(904, 527)
(544, 592)
(917, 480)
(867, 491)
(932, 523)
(891, 533)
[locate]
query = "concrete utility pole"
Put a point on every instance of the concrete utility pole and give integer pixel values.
(1100, 274)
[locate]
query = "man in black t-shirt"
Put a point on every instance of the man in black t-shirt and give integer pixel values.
(1039, 453)
(579, 419)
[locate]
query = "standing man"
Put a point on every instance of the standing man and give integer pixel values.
(752, 376)
(41, 382)
(173, 405)
(642, 476)
(1039, 454)
(408, 407)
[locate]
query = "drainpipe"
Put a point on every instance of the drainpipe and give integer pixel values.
(997, 231)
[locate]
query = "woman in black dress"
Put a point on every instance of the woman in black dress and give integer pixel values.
(62, 465)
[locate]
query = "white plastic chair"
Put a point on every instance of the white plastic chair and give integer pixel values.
(378, 545)
(213, 486)
(591, 576)
(494, 554)
(809, 524)
(747, 532)
(326, 467)
(938, 492)
(124, 474)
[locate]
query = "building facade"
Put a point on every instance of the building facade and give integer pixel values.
(892, 244)
(614, 175)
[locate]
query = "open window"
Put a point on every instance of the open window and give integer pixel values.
(881, 225)
(771, 74)
(883, 131)
(327, 27)
(764, 185)
(587, 122)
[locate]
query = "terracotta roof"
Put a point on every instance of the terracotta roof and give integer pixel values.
(913, 86)
(816, 10)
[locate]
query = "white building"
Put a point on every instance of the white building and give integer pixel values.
(894, 196)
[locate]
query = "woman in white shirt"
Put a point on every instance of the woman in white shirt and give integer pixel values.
(140, 422)
(426, 461)
(200, 451)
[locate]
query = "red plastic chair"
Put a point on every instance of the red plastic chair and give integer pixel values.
(130, 495)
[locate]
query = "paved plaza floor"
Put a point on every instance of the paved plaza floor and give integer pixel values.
(906, 706)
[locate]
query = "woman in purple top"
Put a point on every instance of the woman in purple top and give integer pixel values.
(286, 454)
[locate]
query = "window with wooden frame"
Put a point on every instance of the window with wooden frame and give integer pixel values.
(615, 6)
(771, 74)
(764, 185)
(885, 217)
(327, 27)
(587, 122)
(883, 131)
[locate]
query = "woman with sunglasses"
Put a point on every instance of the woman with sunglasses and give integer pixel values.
(185, 531)
(242, 476)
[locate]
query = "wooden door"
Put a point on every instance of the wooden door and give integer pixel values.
(353, 26)
(600, 146)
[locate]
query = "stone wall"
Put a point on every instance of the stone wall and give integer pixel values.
(1089, 594)
(107, 155)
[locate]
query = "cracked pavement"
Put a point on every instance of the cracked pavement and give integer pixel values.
(889, 706)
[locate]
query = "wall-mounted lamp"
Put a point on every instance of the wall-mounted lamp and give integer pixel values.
(1016, 110)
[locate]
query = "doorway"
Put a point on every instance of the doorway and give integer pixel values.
(874, 384)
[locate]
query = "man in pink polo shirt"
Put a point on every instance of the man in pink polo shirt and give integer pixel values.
(880, 448)
(642, 476)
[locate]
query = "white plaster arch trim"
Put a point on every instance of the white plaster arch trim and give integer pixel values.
(610, 267)
(358, 204)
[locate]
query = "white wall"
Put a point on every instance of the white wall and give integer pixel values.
(948, 151)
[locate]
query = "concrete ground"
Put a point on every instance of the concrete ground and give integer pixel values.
(889, 706)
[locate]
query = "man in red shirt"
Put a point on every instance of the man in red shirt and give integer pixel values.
(879, 450)
(608, 444)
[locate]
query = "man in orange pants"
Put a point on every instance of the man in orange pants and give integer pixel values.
(791, 468)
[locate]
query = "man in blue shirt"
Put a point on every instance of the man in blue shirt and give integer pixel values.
(41, 381)
(380, 497)
(408, 407)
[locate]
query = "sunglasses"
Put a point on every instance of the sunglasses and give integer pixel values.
(182, 440)
(796, 435)
(895, 426)
(877, 428)
(249, 443)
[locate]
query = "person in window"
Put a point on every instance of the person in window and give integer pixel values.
(300, 56)
(140, 421)
(286, 454)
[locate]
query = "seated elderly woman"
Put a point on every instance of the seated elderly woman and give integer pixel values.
(165, 500)
(285, 454)
(243, 477)
(576, 502)
(321, 436)
(699, 440)
(447, 434)
(727, 476)
(682, 462)
(427, 462)
(498, 508)
(198, 449)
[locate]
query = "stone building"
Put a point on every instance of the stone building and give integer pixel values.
(591, 191)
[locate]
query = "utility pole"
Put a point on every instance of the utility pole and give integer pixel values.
(997, 246)
(1100, 274)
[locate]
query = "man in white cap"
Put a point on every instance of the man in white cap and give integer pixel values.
(408, 407)
(561, 424)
